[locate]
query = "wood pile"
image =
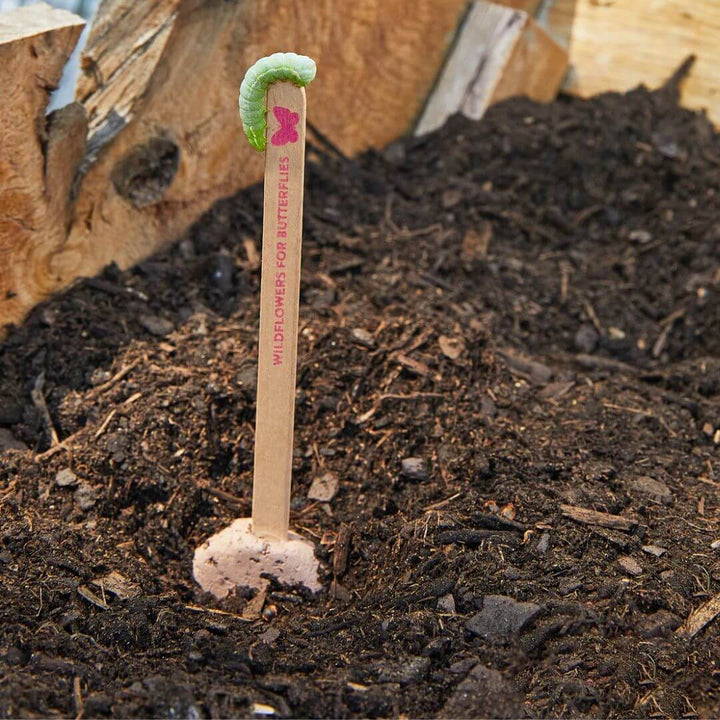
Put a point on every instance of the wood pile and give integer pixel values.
(153, 139)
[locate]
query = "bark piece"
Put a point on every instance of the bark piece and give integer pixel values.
(342, 550)
(324, 488)
(630, 566)
(656, 490)
(700, 618)
(593, 517)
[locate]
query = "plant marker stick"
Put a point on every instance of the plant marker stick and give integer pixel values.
(279, 305)
(273, 107)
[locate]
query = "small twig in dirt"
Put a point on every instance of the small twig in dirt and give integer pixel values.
(597, 362)
(474, 537)
(254, 608)
(328, 143)
(404, 233)
(593, 517)
(586, 214)
(442, 503)
(491, 521)
(590, 310)
(227, 497)
(691, 524)
(106, 422)
(100, 389)
(527, 226)
(412, 396)
(667, 325)
(700, 618)
(213, 611)
(91, 597)
(564, 281)
(113, 289)
(644, 413)
(38, 399)
(392, 396)
(63, 445)
(631, 410)
(77, 696)
(253, 256)
(431, 279)
(671, 87)
(10, 490)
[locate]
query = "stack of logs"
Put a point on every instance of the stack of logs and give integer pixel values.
(153, 139)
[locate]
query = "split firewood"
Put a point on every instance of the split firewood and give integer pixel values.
(160, 84)
(500, 52)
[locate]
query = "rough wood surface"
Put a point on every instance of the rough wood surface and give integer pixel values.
(38, 153)
(500, 52)
(536, 67)
(554, 16)
(160, 85)
(618, 45)
(557, 18)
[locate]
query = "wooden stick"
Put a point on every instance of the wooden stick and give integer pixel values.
(593, 517)
(279, 305)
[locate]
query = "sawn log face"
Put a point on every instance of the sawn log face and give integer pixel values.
(160, 88)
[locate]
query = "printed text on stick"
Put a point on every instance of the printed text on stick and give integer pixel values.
(280, 260)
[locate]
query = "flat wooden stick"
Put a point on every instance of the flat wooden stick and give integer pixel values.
(279, 305)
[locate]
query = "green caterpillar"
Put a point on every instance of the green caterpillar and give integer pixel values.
(297, 69)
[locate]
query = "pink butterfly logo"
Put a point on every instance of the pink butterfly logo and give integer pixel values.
(287, 132)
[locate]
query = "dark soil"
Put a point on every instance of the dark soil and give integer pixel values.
(529, 305)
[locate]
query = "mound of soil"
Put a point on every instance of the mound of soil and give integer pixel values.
(510, 362)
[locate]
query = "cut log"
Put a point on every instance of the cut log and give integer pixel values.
(500, 52)
(160, 84)
(39, 154)
(617, 46)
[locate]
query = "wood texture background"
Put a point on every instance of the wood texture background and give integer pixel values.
(619, 44)
(160, 83)
(500, 52)
(166, 74)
